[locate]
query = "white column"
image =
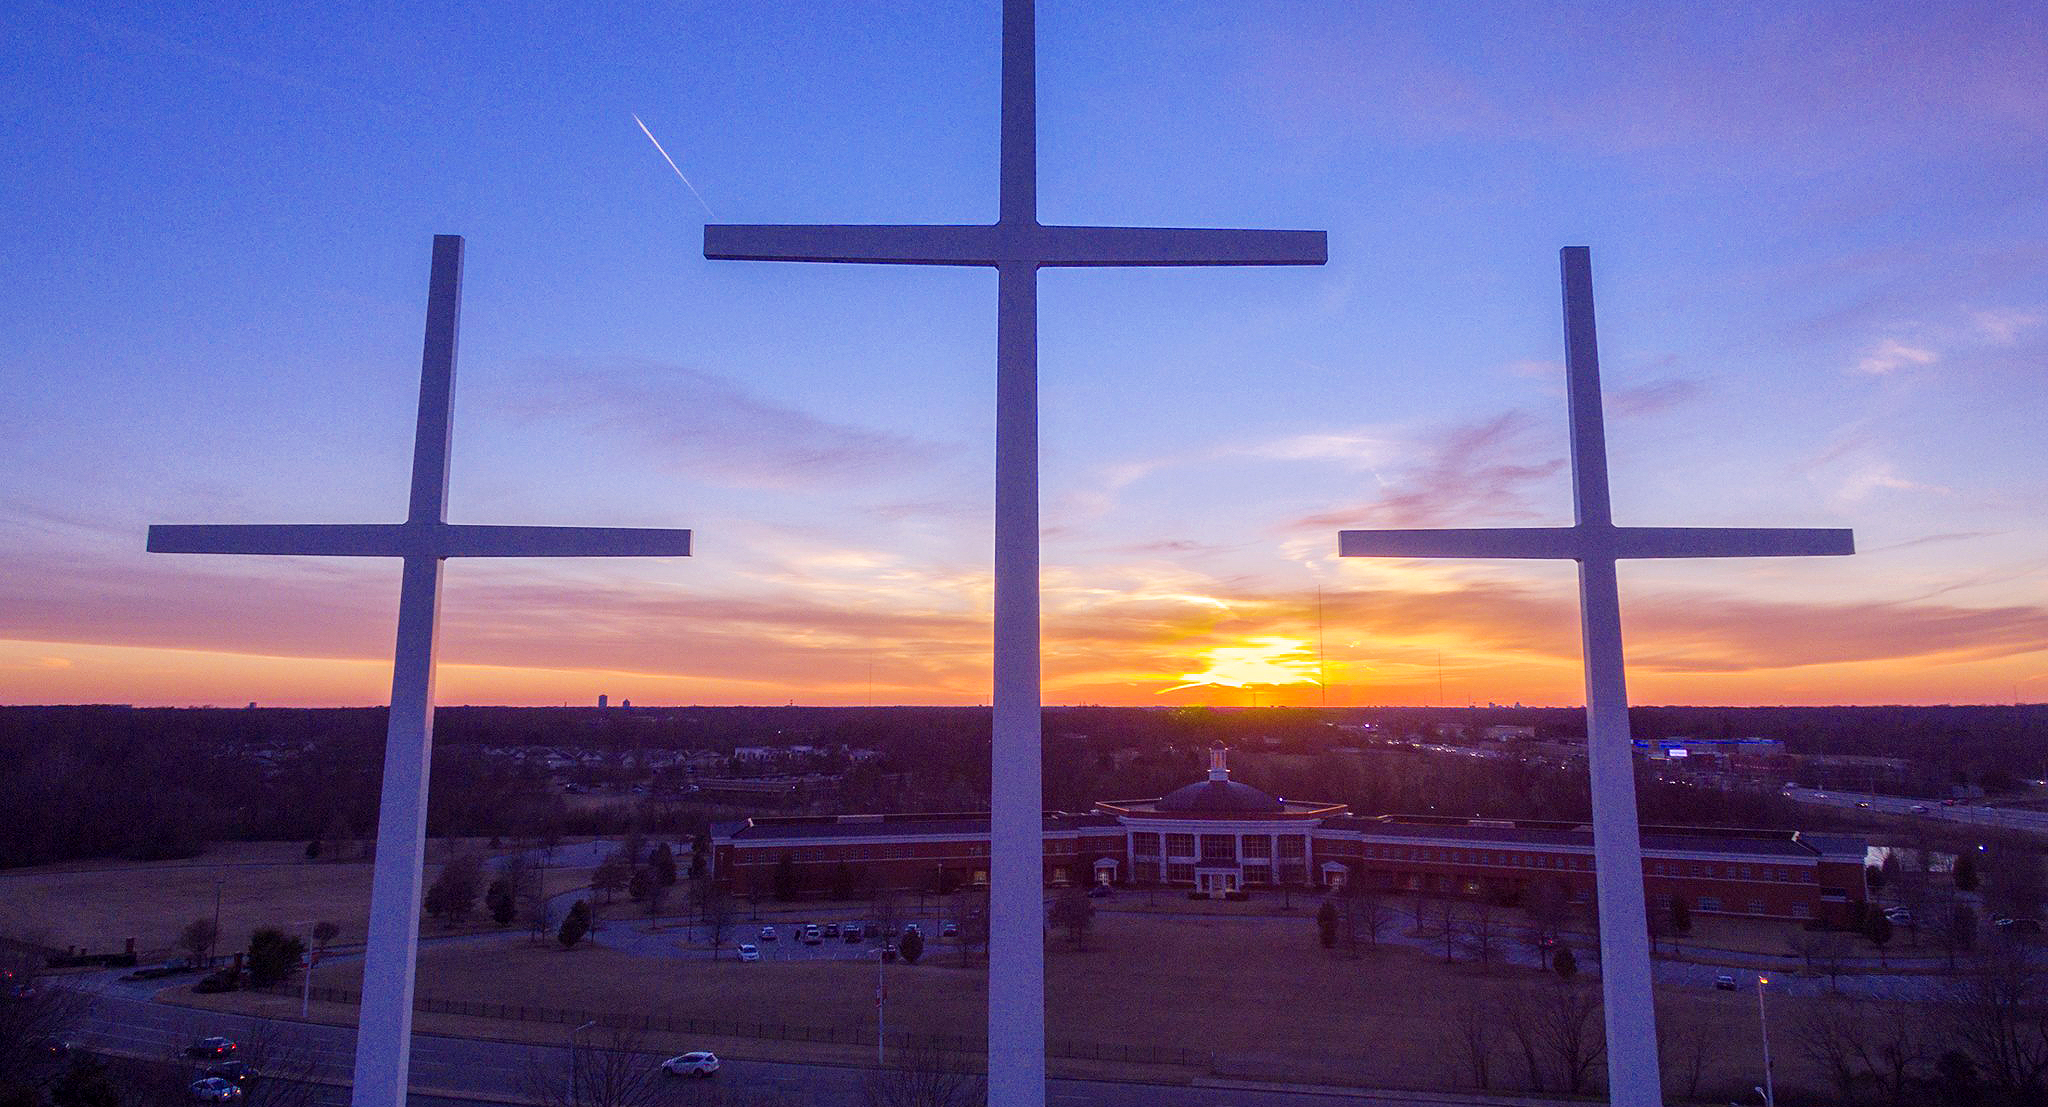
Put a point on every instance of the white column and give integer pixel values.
(1016, 972)
(384, 1028)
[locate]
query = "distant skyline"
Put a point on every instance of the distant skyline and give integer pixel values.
(1820, 249)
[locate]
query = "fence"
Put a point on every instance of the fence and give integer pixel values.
(772, 1031)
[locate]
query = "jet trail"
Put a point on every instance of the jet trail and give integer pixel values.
(672, 165)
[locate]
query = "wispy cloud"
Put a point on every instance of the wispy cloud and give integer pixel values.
(1653, 397)
(711, 428)
(1891, 355)
(2004, 327)
(1469, 474)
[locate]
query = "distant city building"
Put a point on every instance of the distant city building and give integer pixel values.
(601, 703)
(1221, 837)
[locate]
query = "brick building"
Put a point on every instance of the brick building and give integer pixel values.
(1223, 837)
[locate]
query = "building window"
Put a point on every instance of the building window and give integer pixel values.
(1257, 845)
(1710, 903)
(1257, 874)
(1180, 845)
(1180, 873)
(1293, 872)
(1798, 910)
(1293, 847)
(1145, 844)
(1146, 872)
(1219, 847)
(1756, 907)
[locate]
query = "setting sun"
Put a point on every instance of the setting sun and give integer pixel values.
(1265, 661)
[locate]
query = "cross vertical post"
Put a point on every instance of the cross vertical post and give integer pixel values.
(384, 1029)
(1016, 246)
(1633, 1076)
(389, 958)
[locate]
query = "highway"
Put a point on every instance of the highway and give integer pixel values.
(459, 1072)
(1963, 813)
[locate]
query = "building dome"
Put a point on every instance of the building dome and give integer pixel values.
(1219, 793)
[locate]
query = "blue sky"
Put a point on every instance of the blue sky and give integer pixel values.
(1818, 242)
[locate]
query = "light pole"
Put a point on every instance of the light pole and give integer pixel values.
(881, 994)
(1764, 1027)
(219, 882)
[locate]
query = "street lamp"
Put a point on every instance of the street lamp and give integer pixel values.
(1764, 1026)
(219, 882)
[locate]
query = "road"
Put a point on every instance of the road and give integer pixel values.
(2005, 818)
(461, 1072)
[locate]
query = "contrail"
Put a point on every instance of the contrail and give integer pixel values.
(672, 165)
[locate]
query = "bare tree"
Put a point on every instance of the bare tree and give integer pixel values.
(1472, 1029)
(33, 1013)
(1828, 1037)
(198, 939)
(1365, 915)
(603, 1067)
(1682, 1051)
(1480, 933)
(1444, 927)
(1999, 1013)
(1549, 905)
(285, 1063)
(1831, 957)
(1806, 945)
(1558, 1026)
(924, 1076)
(719, 915)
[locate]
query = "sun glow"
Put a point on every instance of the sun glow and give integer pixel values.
(1265, 661)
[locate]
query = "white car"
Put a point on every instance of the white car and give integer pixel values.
(691, 1064)
(767, 933)
(749, 951)
(213, 1089)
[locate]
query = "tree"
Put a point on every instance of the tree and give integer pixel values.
(198, 938)
(786, 881)
(602, 1068)
(453, 893)
(273, 956)
(1966, 872)
(1878, 929)
(574, 925)
(498, 901)
(700, 855)
(719, 916)
(911, 947)
(30, 1017)
(1805, 944)
(1074, 913)
(1479, 934)
(1681, 916)
(1998, 1014)
(1874, 876)
(325, 932)
(1564, 963)
(924, 1076)
(663, 862)
(611, 876)
(638, 885)
(1560, 1023)
(1326, 924)
(313, 850)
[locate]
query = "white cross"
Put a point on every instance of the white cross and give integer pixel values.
(1017, 246)
(384, 1034)
(1596, 543)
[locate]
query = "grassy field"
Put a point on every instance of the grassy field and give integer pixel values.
(1260, 995)
(99, 905)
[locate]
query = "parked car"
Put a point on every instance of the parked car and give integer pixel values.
(749, 951)
(949, 930)
(811, 935)
(831, 930)
(1919, 809)
(2017, 926)
(213, 1089)
(211, 1049)
(912, 928)
(1863, 803)
(700, 1063)
(1899, 916)
(767, 933)
(852, 932)
(888, 951)
(1724, 982)
(1099, 891)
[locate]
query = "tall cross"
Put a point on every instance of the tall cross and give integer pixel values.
(1596, 544)
(1016, 246)
(384, 1034)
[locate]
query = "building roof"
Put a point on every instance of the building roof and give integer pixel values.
(1218, 796)
(1656, 839)
(935, 825)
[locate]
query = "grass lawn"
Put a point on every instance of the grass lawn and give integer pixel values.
(100, 904)
(1258, 993)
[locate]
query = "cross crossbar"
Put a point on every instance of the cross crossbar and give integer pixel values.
(438, 540)
(1593, 542)
(1012, 244)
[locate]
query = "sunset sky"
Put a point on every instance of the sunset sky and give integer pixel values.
(1820, 247)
